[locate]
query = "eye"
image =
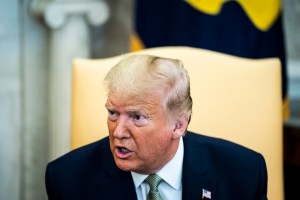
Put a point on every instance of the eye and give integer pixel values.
(139, 119)
(112, 115)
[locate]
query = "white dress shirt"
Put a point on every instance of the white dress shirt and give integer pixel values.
(171, 173)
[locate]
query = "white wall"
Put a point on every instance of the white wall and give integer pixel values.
(10, 100)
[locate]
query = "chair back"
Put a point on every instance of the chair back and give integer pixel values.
(234, 98)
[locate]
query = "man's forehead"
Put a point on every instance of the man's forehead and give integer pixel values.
(132, 103)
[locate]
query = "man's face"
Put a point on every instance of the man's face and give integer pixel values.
(141, 137)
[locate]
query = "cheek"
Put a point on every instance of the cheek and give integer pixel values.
(155, 143)
(111, 126)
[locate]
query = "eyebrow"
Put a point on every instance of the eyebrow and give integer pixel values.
(131, 109)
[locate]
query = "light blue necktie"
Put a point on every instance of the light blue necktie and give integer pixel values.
(153, 180)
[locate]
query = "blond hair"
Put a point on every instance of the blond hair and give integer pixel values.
(138, 76)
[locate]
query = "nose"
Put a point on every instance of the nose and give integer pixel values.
(121, 131)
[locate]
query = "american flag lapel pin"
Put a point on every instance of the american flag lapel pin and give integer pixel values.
(206, 194)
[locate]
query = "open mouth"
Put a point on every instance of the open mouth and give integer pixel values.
(123, 153)
(123, 150)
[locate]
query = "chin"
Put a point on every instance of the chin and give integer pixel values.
(121, 164)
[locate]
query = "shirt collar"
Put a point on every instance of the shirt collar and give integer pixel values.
(171, 173)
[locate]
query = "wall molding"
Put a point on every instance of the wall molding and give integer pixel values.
(69, 38)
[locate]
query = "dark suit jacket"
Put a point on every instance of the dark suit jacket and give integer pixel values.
(227, 170)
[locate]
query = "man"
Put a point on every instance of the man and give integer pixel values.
(149, 153)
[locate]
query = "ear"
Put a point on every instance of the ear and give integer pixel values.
(180, 126)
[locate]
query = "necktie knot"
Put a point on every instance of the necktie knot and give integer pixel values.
(153, 181)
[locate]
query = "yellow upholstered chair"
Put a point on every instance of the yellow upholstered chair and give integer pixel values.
(234, 98)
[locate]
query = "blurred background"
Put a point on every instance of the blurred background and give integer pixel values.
(39, 39)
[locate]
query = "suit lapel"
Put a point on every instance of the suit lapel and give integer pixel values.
(114, 188)
(109, 182)
(120, 184)
(197, 174)
(121, 187)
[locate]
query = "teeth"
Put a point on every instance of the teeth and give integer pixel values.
(124, 150)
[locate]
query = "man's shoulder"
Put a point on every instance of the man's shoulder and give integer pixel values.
(81, 171)
(222, 155)
(218, 144)
(229, 164)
